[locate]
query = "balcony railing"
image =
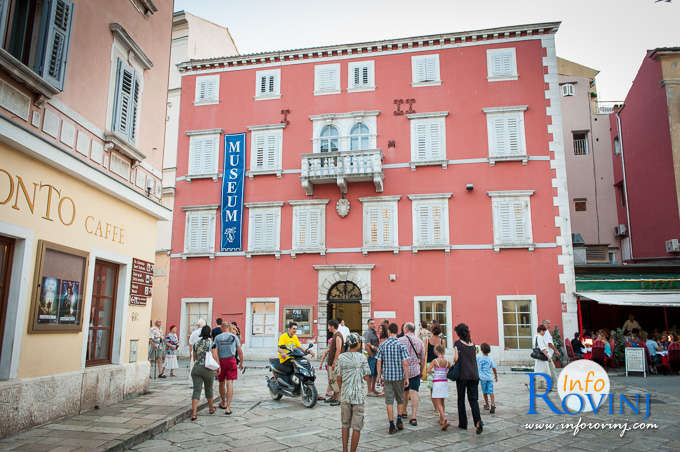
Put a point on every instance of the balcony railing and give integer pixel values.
(342, 167)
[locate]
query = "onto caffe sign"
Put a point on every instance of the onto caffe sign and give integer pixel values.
(52, 203)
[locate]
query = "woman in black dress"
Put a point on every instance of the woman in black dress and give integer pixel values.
(465, 352)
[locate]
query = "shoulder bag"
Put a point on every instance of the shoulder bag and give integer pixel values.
(454, 371)
(210, 362)
(536, 353)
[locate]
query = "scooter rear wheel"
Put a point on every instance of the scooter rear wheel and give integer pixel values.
(309, 395)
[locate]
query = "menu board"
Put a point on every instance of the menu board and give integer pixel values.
(635, 360)
(142, 281)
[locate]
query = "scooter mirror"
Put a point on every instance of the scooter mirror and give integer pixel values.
(310, 346)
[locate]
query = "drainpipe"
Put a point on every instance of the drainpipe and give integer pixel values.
(625, 187)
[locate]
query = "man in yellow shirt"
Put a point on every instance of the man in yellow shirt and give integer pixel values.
(288, 340)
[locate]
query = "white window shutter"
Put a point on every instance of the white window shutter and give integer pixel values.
(525, 215)
(430, 69)
(514, 145)
(210, 146)
(435, 140)
(270, 222)
(373, 225)
(500, 137)
(125, 105)
(300, 218)
(256, 230)
(58, 36)
(357, 76)
(194, 156)
(259, 151)
(327, 78)
(387, 230)
(315, 232)
(272, 151)
(421, 141)
(211, 232)
(420, 70)
(423, 213)
(436, 222)
(502, 64)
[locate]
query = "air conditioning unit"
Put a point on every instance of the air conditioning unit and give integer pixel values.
(673, 246)
(620, 230)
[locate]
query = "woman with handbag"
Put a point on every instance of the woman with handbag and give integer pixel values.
(541, 354)
(467, 378)
(203, 372)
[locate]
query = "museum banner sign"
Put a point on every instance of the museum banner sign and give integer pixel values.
(231, 208)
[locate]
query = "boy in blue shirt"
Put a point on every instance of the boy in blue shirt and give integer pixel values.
(485, 364)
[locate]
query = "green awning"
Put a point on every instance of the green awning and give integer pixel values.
(629, 298)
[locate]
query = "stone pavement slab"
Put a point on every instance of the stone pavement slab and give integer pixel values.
(159, 421)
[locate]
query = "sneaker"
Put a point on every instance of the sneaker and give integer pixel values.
(493, 409)
(400, 425)
(393, 429)
(162, 376)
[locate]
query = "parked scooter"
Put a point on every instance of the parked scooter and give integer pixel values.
(294, 378)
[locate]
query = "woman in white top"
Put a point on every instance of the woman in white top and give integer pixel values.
(540, 365)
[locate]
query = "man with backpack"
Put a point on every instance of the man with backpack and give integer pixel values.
(228, 346)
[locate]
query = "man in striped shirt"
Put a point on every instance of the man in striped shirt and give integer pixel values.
(392, 369)
(352, 373)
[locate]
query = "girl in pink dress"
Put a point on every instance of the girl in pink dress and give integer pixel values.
(440, 385)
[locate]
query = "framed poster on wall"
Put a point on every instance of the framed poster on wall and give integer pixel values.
(302, 315)
(59, 286)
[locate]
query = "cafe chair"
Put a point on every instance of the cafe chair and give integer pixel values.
(674, 356)
(598, 354)
(570, 352)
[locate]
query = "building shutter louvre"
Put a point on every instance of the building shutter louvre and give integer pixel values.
(430, 70)
(387, 232)
(423, 213)
(272, 151)
(502, 64)
(421, 70)
(208, 155)
(513, 137)
(364, 71)
(259, 151)
(357, 76)
(327, 79)
(58, 36)
(269, 230)
(124, 92)
(436, 230)
(421, 141)
(373, 225)
(257, 233)
(314, 221)
(435, 141)
(301, 228)
(500, 138)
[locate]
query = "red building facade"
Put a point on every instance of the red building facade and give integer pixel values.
(410, 179)
(646, 154)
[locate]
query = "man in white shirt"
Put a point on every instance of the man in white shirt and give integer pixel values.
(194, 337)
(343, 329)
(540, 366)
(547, 337)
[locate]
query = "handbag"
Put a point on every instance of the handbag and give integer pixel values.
(210, 362)
(453, 373)
(536, 353)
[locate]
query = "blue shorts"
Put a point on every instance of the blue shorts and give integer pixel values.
(487, 386)
(413, 384)
(372, 364)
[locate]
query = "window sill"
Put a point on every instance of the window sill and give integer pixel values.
(445, 248)
(253, 173)
(267, 96)
(326, 93)
(509, 158)
(199, 103)
(415, 163)
(320, 251)
(498, 246)
(431, 83)
(23, 74)
(213, 176)
(502, 78)
(192, 254)
(372, 249)
(275, 253)
(114, 141)
(360, 89)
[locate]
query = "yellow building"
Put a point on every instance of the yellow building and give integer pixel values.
(82, 122)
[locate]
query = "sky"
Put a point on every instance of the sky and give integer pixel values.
(611, 36)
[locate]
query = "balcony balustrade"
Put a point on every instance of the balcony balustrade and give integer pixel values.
(342, 167)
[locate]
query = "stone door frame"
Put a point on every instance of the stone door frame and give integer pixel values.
(359, 274)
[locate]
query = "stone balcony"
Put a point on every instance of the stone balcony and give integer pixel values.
(342, 167)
